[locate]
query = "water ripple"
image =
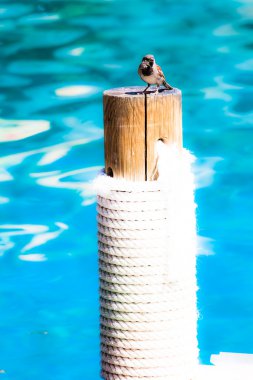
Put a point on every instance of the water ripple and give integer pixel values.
(14, 10)
(36, 67)
(220, 90)
(7, 230)
(13, 130)
(76, 91)
(205, 246)
(246, 65)
(37, 18)
(53, 155)
(43, 238)
(225, 30)
(41, 235)
(49, 37)
(8, 81)
(48, 152)
(79, 180)
(4, 200)
(35, 257)
(246, 11)
(204, 171)
(5, 175)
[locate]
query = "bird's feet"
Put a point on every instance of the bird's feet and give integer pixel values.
(145, 89)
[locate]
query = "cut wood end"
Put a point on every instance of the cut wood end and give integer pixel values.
(137, 91)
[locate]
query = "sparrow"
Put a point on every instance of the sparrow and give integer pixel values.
(151, 73)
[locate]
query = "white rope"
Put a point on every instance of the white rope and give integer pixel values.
(150, 288)
(172, 371)
(157, 204)
(148, 215)
(132, 234)
(132, 280)
(134, 317)
(112, 376)
(123, 270)
(142, 326)
(149, 337)
(128, 252)
(147, 247)
(132, 344)
(136, 353)
(130, 261)
(131, 224)
(133, 243)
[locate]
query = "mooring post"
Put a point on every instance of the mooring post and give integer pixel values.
(146, 240)
(133, 122)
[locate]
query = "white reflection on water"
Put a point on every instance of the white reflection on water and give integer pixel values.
(220, 91)
(223, 49)
(5, 175)
(77, 51)
(38, 19)
(35, 257)
(17, 158)
(41, 233)
(246, 119)
(21, 229)
(246, 11)
(204, 171)
(14, 130)
(225, 30)
(53, 156)
(43, 238)
(4, 200)
(5, 244)
(72, 51)
(205, 246)
(246, 65)
(79, 180)
(78, 90)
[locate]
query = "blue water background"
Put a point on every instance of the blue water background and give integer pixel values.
(56, 59)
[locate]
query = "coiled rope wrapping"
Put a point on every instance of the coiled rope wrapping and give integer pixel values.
(147, 247)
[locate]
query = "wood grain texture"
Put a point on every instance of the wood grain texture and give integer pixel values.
(164, 121)
(124, 120)
(133, 122)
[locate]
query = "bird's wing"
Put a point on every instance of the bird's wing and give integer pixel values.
(160, 72)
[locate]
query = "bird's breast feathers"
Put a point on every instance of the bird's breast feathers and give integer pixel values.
(156, 77)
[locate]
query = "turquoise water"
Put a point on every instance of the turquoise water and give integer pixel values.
(56, 59)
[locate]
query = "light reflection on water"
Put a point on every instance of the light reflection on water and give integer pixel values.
(12, 130)
(58, 57)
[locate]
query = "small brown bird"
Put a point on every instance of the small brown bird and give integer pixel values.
(151, 73)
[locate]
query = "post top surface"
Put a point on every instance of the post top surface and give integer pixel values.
(137, 91)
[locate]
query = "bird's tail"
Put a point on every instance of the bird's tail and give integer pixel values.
(167, 85)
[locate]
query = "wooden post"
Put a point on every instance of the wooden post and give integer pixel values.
(133, 122)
